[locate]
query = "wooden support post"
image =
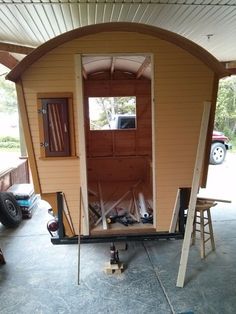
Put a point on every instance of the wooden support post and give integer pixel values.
(79, 234)
(175, 213)
(67, 214)
(193, 196)
(118, 202)
(104, 222)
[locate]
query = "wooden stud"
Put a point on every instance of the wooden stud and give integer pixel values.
(175, 213)
(202, 234)
(28, 137)
(67, 214)
(211, 229)
(193, 196)
(118, 201)
(103, 217)
(203, 198)
(143, 67)
(8, 60)
(16, 48)
(82, 152)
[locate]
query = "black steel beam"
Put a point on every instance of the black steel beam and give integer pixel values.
(117, 238)
(61, 233)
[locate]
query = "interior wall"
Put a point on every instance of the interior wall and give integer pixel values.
(128, 142)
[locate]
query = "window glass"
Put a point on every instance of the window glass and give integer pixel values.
(111, 113)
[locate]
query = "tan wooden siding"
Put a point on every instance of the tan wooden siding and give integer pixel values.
(182, 84)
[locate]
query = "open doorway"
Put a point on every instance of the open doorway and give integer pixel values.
(118, 120)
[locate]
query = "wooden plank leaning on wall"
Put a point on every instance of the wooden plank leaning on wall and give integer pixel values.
(28, 137)
(193, 196)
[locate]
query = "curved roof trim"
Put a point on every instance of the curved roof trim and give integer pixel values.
(176, 39)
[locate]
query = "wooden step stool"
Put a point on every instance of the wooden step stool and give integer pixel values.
(203, 219)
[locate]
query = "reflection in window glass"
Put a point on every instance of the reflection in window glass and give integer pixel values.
(110, 113)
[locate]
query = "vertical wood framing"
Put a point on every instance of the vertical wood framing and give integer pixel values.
(104, 222)
(193, 196)
(210, 130)
(153, 166)
(82, 150)
(28, 137)
(175, 213)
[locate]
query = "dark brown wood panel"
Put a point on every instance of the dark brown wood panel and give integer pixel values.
(120, 142)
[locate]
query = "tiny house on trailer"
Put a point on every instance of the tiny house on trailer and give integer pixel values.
(103, 180)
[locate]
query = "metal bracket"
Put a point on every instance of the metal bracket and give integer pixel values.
(45, 144)
(42, 111)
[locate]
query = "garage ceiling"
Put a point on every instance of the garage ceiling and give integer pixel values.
(209, 23)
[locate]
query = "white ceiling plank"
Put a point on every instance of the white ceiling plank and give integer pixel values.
(48, 20)
(33, 12)
(140, 12)
(58, 16)
(132, 12)
(8, 32)
(75, 15)
(8, 15)
(99, 13)
(115, 12)
(108, 9)
(83, 14)
(67, 16)
(91, 14)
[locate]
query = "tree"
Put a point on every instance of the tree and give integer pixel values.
(8, 102)
(225, 117)
(108, 107)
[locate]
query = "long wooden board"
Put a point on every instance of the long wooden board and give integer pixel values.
(193, 196)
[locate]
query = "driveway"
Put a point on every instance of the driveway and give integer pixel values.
(221, 179)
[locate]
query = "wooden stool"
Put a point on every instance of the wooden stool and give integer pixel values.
(203, 218)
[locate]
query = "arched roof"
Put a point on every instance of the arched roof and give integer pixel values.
(178, 40)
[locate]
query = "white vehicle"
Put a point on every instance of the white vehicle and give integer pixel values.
(123, 121)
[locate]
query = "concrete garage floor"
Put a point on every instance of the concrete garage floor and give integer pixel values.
(41, 278)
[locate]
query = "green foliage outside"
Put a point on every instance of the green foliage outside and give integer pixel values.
(102, 109)
(9, 142)
(8, 100)
(9, 129)
(225, 118)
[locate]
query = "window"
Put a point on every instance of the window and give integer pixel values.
(56, 127)
(111, 113)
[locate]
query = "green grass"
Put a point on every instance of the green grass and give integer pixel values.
(9, 143)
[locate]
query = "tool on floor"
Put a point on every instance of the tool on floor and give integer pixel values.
(114, 266)
(125, 220)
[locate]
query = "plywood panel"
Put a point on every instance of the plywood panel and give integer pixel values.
(115, 169)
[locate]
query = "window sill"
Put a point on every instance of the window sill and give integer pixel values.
(59, 158)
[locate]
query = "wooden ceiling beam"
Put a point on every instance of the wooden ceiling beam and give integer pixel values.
(143, 67)
(15, 48)
(8, 60)
(113, 61)
(85, 74)
(230, 66)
